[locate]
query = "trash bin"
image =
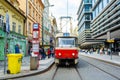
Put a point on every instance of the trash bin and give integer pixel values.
(34, 63)
(14, 63)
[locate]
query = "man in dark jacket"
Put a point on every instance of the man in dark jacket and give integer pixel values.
(17, 50)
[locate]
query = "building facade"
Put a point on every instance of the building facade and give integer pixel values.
(16, 21)
(34, 11)
(46, 24)
(75, 31)
(106, 22)
(53, 30)
(84, 18)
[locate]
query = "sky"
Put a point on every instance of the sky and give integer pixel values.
(60, 9)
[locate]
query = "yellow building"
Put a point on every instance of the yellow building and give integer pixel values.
(34, 15)
(33, 10)
(16, 26)
(17, 19)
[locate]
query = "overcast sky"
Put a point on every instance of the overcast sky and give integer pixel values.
(60, 9)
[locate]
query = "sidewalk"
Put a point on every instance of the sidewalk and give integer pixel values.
(114, 59)
(25, 68)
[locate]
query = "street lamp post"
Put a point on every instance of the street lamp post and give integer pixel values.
(43, 24)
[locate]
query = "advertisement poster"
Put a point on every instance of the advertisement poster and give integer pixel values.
(35, 47)
(35, 34)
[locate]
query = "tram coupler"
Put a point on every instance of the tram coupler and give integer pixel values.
(67, 64)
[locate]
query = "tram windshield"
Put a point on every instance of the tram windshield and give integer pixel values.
(66, 42)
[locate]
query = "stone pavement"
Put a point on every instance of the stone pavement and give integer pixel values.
(25, 68)
(114, 59)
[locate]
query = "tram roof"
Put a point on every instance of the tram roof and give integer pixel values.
(62, 36)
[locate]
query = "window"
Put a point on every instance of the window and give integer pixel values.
(1, 20)
(102, 4)
(29, 28)
(95, 12)
(33, 13)
(98, 9)
(64, 42)
(14, 26)
(86, 1)
(87, 17)
(87, 8)
(87, 25)
(32, 1)
(36, 17)
(118, 3)
(19, 29)
(29, 10)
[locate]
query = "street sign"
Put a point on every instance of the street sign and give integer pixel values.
(35, 34)
(35, 26)
(7, 23)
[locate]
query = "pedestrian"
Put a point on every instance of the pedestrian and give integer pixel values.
(52, 51)
(42, 52)
(91, 51)
(109, 51)
(29, 51)
(17, 50)
(101, 51)
(48, 52)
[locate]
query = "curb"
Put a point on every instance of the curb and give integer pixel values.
(27, 74)
(107, 61)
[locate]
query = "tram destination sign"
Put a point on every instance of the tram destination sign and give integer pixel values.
(66, 34)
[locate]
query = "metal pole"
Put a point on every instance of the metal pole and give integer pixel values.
(5, 53)
(111, 50)
(42, 31)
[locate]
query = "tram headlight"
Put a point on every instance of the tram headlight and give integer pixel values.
(73, 54)
(59, 54)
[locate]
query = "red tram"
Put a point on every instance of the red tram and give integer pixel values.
(66, 50)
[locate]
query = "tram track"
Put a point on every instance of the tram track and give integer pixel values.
(67, 67)
(78, 73)
(55, 73)
(102, 70)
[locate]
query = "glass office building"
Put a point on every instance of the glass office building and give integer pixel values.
(106, 22)
(84, 18)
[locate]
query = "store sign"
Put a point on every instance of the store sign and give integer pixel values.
(110, 41)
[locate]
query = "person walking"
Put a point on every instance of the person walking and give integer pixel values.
(48, 52)
(109, 51)
(42, 52)
(17, 50)
(101, 51)
(52, 51)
